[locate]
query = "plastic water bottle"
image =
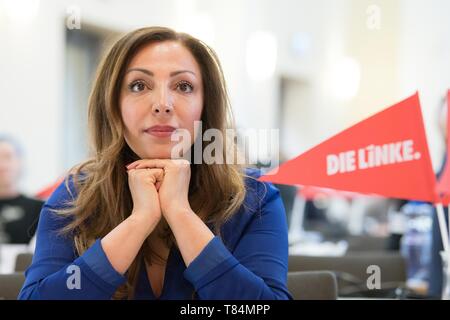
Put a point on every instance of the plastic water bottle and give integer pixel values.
(416, 244)
(445, 276)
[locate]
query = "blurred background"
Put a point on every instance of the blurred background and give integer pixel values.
(308, 68)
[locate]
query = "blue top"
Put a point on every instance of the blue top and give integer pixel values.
(248, 261)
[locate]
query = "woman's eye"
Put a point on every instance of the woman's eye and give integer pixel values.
(185, 87)
(137, 86)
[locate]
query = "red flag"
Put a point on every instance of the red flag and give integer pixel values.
(386, 154)
(47, 191)
(311, 193)
(443, 186)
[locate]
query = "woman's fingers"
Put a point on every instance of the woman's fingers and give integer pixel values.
(155, 174)
(153, 163)
(159, 167)
(158, 174)
(158, 163)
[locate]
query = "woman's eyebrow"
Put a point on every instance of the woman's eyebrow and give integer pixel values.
(150, 73)
(172, 74)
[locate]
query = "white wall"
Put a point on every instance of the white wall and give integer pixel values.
(31, 89)
(313, 113)
(424, 61)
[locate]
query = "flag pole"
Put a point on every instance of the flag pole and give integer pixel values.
(443, 227)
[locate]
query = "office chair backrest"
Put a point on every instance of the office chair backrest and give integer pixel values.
(10, 285)
(352, 271)
(23, 261)
(312, 285)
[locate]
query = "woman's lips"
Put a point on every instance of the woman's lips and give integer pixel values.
(160, 131)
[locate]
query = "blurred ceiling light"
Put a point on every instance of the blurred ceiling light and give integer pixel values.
(23, 11)
(345, 78)
(261, 55)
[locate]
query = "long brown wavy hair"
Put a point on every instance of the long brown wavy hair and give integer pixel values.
(103, 199)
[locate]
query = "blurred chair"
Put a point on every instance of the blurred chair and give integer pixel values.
(312, 285)
(10, 285)
(366, 243)
(352, 271)
(23, 261)
(288, 194)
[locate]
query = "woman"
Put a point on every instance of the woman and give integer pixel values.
(132, 223)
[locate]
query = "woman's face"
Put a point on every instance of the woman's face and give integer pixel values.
(162, 92)
(9, 165)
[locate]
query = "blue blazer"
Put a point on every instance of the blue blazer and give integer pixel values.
(248, 261)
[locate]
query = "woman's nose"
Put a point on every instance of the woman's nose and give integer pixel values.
(162, 105)
(162, 109)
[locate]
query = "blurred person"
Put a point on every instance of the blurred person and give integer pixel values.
(396, 224)
(18, 213)
(133, 223)
(435, 283)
